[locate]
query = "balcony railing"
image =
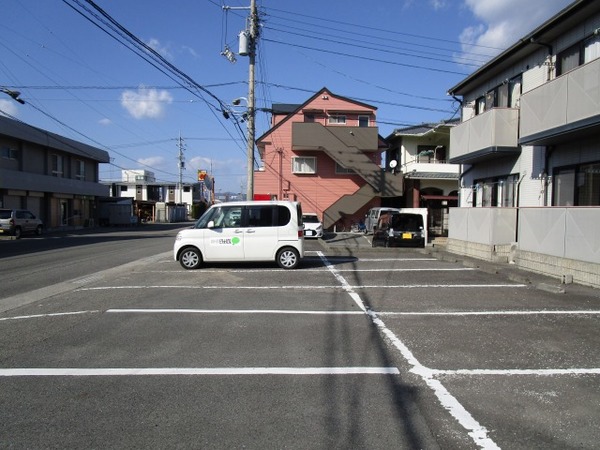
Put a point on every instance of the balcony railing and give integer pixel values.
(564, 105)
(484, 136)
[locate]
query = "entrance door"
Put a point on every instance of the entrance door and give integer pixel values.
(64, 213)
(225, 241)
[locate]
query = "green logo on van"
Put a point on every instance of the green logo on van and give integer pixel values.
(235, 240)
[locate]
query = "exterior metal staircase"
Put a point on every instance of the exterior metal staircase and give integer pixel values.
(352, 148)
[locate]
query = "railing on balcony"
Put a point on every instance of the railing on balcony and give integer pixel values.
(565, 104)
(486, 135)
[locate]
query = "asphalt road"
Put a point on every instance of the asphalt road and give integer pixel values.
(358, 348)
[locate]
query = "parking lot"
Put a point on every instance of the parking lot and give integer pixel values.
(358, 348)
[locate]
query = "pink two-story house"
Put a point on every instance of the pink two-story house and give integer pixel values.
(326, 154)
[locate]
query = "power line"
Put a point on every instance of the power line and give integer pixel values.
(412, 66)
(329, 20)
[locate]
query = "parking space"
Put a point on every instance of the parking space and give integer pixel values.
(403, 348)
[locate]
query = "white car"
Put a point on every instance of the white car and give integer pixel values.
(313, 227)
(244, 231)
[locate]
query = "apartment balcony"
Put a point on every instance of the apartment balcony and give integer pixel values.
(565, 108)
(489, 135)
(433, 170)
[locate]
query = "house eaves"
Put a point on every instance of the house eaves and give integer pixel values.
(553, 28)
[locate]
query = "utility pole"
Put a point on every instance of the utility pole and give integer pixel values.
(251, 106)
(248, 39)
(181, 168)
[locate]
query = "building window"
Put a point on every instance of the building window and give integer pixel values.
(337, 120)
(568, 59)
(363, 121)
(577, 186)
(9, 153)
(80, 170)
(497, 191)
(578, 54)
(304, 164)
(341, 170)
(57, 165)
(123, 188)
(309, 118)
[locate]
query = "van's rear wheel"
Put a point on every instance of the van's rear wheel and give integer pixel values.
(288, 258)
(190, 258)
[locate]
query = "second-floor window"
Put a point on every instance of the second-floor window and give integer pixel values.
(505, 95)
(363, 121)
(337, 119)
(578, 54)
(57, 165)
(9, 153)
(80, 170)
(304, 164)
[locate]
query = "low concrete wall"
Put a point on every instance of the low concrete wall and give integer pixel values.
(562, 243)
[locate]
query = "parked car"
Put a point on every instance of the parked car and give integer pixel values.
(313, 227)
(244, 231)
(15, 222)
(373, 215)
(399, 229)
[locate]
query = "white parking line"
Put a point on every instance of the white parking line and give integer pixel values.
(302, 287)
(322, 269)
(583, 312)
(234, 311)
(477, 432)
(78, 372)
(35, 316)
(536, 372)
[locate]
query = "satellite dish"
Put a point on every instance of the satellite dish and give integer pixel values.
(393, 164)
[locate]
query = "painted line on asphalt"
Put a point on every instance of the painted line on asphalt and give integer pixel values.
(322, 269)
(79, 372)
(489, 313)
(476, 431)
(345, 287)
(341, 313)
(505, 372)
(233, 311)
(35, 316)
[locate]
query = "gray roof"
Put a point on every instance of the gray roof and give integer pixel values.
(20, 130)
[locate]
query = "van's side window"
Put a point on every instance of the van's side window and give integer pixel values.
(231, 218)
(284, 216)
(260, 216)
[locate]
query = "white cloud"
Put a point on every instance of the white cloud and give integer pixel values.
(9, 107)
(105, 121)
(503, 22)
(438, 4)
(146, 103)
(156, 162)
(161, 49)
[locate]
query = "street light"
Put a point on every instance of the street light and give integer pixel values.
(13, 94)
(249, 116)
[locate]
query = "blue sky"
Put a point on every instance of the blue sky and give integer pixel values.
(398, 55)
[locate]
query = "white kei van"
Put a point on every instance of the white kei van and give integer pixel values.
(244, 231)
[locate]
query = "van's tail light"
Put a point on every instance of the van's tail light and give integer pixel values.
(300, 234)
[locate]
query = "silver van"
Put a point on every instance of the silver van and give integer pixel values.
(372, 217)
(244, 231)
